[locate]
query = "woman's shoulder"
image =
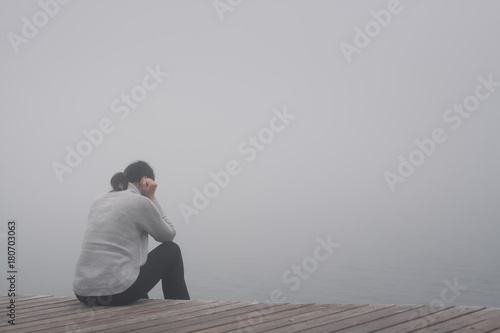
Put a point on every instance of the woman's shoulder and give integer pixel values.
(130, 198)
(115, 197)
(123, 200)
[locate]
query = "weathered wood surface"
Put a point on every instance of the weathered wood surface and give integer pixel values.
(38, 313)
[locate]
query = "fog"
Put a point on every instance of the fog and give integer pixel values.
(374, 122)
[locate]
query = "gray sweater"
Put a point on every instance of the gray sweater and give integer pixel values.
(115, 244)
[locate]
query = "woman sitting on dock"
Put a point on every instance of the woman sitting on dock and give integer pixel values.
(114, 267)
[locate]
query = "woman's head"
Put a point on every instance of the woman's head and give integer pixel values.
(133, 173)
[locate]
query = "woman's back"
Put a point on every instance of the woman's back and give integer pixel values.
(115, 244)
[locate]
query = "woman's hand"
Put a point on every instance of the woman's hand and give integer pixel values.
(147, 188)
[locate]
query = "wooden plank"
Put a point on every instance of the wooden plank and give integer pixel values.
(400, 316)
(72, 308)
(27, 300)
(39, 319)
(163, 325)
(247, 322)
(4, 299)
(342, 311)
(52, 320)
(26, 305)
(215, 322)
(23, 316)
(145, 322)
(133, 321)
(85, 314)
(414, 318)
(490, 325)
(427, 321)
(460, 322)
(48, 312)
(332, 323)
(135, 318)
(33, 309)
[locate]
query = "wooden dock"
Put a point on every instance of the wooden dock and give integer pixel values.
(36, 313)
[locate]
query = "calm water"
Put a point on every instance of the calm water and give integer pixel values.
(391, 266)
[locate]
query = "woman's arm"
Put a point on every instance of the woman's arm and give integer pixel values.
(156, 222)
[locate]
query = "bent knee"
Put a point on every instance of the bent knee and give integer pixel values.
(171, 246)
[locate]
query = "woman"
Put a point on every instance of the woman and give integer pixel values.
(114, 267)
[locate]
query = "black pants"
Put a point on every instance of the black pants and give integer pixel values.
(164, 263)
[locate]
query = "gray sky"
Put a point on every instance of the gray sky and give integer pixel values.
(356, 103)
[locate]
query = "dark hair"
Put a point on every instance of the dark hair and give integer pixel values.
(133, 173)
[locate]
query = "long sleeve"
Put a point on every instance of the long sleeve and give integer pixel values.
(156, 222)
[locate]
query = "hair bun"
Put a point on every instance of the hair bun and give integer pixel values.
(119, 181)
